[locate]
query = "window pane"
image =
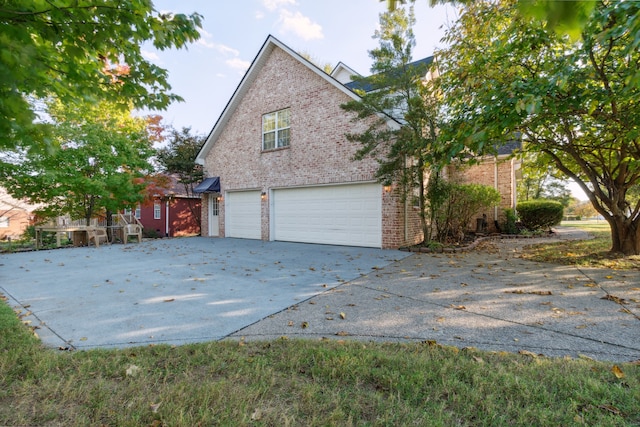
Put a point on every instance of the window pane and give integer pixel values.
(269, 141)
(268, 122)
(283, 119)
(283, 138)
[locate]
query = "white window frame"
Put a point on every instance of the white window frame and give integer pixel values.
(138, 213)
(157, 211)
(281, 139)
(5, 222)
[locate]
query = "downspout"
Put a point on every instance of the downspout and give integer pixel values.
(166, 217)
(495, 183)
(406, 213)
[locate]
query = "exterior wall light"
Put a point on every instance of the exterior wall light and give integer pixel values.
(263, 196)
(387, 189)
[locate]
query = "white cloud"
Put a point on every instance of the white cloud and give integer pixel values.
(150, 56)
(206, 41)
(300, 25)
(238, 64)
(275, 4)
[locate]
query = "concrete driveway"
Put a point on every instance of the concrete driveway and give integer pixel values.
(171, 291)
(490, 299)
(199, 289)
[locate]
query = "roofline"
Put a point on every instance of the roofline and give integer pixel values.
(341, 64)
(249, 77)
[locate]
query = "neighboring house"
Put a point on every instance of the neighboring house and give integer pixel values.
(281, 168)
(15, 216)
(171, 213)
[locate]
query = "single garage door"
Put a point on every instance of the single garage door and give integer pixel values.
(242, 214)
(339, 215)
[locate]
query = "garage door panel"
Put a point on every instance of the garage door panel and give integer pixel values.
(242, 214)
(341, 214)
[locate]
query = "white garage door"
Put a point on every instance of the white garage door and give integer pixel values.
(338, 215)
(242, 214)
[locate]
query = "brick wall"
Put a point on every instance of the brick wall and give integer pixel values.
(19, 220)
(497, 173)
(318, 153)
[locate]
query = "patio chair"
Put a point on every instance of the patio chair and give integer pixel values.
(97, 234)
(132, 230)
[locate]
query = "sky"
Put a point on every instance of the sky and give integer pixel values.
(208, 72)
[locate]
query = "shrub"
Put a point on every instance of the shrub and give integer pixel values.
(461, 203)
(510, 226)
(537, 214)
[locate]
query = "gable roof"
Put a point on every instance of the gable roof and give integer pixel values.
(341, 70)
(368, 87)
(250, 76)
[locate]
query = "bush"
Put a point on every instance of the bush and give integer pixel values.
(460, 203)
(537, 214)
(510, 226)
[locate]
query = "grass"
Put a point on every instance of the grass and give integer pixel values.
(305, 383)
(592, 253)
(314, 383)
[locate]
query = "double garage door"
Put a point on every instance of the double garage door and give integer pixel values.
(338, 215)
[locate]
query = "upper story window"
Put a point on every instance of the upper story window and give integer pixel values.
(156, 211)
(4, 222)
(275, 130)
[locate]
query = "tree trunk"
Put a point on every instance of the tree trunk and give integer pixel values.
(625, 235)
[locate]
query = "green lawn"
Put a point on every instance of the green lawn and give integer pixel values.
(305, 383)
(593, 252)
(314, 383)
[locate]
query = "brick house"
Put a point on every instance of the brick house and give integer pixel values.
(171, 213)
(15, 216)
(281, 168)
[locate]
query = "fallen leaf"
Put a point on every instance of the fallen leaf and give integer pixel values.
(610, 408)
(170, 300)
(257, 415)
(132, 370)
(290, 323)
(458, 307)
(343, 316)
(614, 298)
(617, 372)
(304, 325)
(589, 285)
(342, 334)
(83, 339)
(528, 353)
(154, 407)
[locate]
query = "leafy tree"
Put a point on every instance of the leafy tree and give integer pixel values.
(398, 92)
(79, 51)
(179, 157)
(575, 102)
(540, 180)
(98, 169)
(568, 17)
